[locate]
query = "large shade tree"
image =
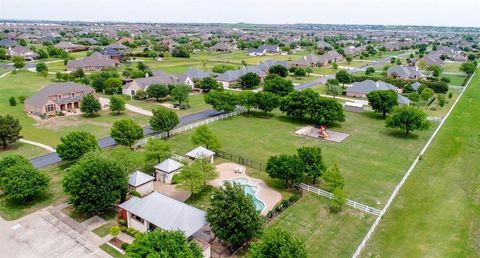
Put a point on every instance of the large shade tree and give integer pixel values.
(275, 84)
(164, 120)
(232, 215)
(9, 130)
(407, 119)
(95, 183)
(157, 150)
(221, 100)
(75, 144)
(126, 132)
(203, 136)
(22, 182)
(312, 161)
(90, 105)
(163, 243)
(382, 101)
(287, 168)
(278, 243)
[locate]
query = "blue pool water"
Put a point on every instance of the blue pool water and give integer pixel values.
(250, 190)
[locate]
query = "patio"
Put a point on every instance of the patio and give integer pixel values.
(171, 191)
(267, 195)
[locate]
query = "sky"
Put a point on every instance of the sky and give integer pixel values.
(387, 12)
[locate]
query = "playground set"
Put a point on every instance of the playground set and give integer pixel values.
(322, 133)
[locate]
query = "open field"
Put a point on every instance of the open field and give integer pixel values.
(325, 234)
(452, 67)
(436, 214)
(196, 103)
(370, 166)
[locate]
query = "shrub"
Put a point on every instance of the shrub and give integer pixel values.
(285, 203)
(122, 222)
(125, 246)
(270, 214)
(12, 101)
(21, 99)
(278, 208)
(135, 193)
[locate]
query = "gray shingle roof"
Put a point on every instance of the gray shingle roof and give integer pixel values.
(167, 213)
(94, 60)
(404, 71)
(196, 73)
(138, 178)
(168, 165)
(367, 86)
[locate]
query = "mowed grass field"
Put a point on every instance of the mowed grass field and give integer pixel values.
(437, 213)
(326, 234)
(372, 159)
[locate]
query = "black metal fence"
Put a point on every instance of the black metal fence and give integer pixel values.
(241, 160)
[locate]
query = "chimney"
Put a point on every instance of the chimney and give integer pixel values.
(146, 75)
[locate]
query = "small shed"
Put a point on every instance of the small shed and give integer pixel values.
(354, 106)
(166, 169)
(140, 182)
(201, 153)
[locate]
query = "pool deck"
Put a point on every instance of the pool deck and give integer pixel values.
(267, 195)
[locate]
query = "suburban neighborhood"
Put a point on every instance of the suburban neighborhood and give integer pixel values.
(222, 139)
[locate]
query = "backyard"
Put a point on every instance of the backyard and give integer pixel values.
(436, 213)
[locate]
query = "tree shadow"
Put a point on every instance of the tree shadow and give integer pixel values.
(400, 134)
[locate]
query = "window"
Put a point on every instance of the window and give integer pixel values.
(72, 95)
(50, 108)
(59, 96)
(137, 218)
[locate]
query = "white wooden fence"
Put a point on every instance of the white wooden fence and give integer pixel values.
(351, 203)
(184, 128)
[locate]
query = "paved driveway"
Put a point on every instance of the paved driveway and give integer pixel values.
(34, 236)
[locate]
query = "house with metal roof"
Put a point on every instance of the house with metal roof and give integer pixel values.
(165, 170)
(201, 153)
(160, 211)
(140, 182)
(57, 97)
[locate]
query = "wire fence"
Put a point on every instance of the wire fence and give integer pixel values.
(329, 195)
(188, 127)
(241, 160)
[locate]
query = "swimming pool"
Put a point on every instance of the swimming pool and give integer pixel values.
(248, 189)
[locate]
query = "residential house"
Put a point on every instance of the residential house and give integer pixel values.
(196, 74)
(160, 211)
(416, 86)
(221, 47)
(264, 50)
(94, 62)
(140, 182)
(56, 97)
(123, 40)
(405, 72)
(165, 170)
(118, 47)
(323, 45)
(308, 60)
(158, 77)
(6, 43)
(70, 47)
(201, 153)
(265, 65)
(361, 89)
(112, 53)
(230, 77)
(22, 51)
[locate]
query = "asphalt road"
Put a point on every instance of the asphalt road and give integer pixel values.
(53, 158)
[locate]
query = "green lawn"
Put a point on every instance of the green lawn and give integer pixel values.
(24, 149)
(437, 212)
(196, 102)
(325, 234)
(452, 67)
(54, 196)
(370, 165)
(456, 80)
(111, 251)
(104, 230)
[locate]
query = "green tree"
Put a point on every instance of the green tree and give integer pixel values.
(125, 158)
(203, 136)
(40, 67)
(343, 77)
(278, 243)
(75, 144)
(90, 105)
(382, 101)
(221, 100)
(349, 59)
(247, 100)
(208, 83)
(9, 130)
(221, 68)
(18, 62)
(370, 70)
(278, 69)
(308, 70)
(287, 168)
(408, 119)
(3, 54)
(157, 91)
(113, 85)
(117, 104)
(300, 72)
(275, 84)
(164, 120)
(333, 179)
(441, 99)
(23, 182)
(426, 94)
(195, 176)
(179, 94)
(468, 67)
(334, 89)
(95, 184)
(249, 80)
(338, 200)
(12, 101)
(232, 215)
(126, 132)
(42, 54)
(157, 150)
(163, 243)
(312, 161)
(267, 101)
(435, 69)
(10, 161)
